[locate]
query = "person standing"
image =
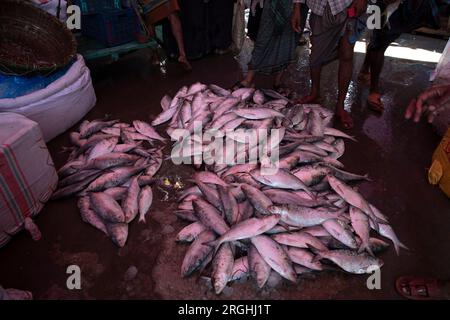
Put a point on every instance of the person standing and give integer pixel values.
(275, 43)
(336, 26)
(157, 10)
(409, 15)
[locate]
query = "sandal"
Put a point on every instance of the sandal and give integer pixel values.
(416, 288)
(374, 102)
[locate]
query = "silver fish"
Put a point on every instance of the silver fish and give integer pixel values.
(351, 261)
(259, 269)
(89, 216)
(341, 232)
(305, 258)
(209, 216)
(222, 267)
(190, 232)
(118, 233)
(299, 240)
(106, 207)
(299, 216)
(197, 253)
(248, 229)
(131, 202)
(361, 225)
(145, 202)
(257, 198)
(147, 130)
(275, 256)
(282, 179)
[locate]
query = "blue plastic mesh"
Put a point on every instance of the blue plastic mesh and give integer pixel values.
(16, 86)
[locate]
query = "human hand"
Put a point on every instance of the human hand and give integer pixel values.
(430, 102)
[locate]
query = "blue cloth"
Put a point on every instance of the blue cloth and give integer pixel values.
(17, 86)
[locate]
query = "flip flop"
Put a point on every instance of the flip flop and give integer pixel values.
(416, 288)
(374, 102)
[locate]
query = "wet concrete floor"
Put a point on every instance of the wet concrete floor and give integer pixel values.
(394, 152)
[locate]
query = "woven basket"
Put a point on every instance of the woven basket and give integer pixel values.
(31, 40)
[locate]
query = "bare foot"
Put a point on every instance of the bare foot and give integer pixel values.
(184, 63)
(345, 118)
(312, 98)
(374, 102)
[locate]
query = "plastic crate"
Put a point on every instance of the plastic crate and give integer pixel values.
(97, 6)
(111, 28)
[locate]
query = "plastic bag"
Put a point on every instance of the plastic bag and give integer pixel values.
(60, 105)
(439, 172)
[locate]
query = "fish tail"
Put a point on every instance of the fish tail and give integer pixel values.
(376, 226)
(142, 219)
(398, 245)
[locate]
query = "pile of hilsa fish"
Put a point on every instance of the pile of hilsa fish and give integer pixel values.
(111, 168)
(244, 223)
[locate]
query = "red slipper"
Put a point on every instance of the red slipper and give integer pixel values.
(416, 288)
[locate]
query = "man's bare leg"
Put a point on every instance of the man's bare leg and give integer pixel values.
(315, 86)
(364, 73)
(376, 66)
(177, 31)
(344, 78)
(247, 81)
